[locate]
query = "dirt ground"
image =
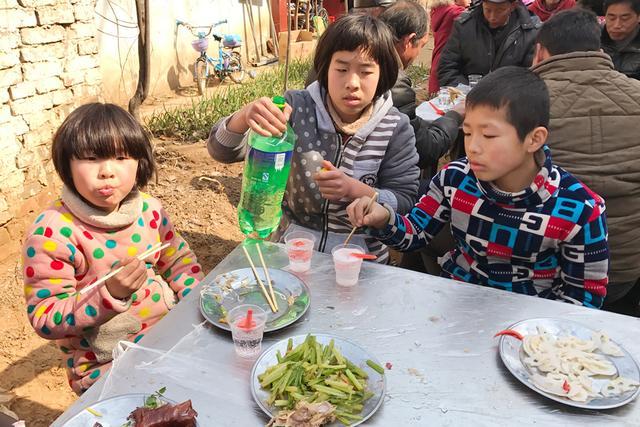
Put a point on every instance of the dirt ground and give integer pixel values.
(33, 383)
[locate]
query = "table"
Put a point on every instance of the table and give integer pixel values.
(437, 334)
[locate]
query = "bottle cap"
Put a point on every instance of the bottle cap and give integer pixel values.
(279, 101)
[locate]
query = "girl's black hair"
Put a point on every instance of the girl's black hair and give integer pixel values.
(103, 131)
(353, 32)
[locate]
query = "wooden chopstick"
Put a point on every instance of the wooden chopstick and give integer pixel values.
(366, 211)
(141, 257)
(255, 274)
(266, 273)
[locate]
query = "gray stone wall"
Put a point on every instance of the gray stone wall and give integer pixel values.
(48, 66)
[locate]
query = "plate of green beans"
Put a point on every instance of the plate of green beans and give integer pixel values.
(319, 368)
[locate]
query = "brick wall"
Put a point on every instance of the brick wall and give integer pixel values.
(48, 66)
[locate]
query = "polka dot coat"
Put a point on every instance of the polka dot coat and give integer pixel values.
(62, 255)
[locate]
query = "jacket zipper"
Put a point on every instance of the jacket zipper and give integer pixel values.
(505, 45)
(337, 160)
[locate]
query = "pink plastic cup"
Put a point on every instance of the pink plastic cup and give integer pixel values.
(346, 265)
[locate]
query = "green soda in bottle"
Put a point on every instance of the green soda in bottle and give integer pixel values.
(266, 170)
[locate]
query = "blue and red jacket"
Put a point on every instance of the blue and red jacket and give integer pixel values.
(549, 239)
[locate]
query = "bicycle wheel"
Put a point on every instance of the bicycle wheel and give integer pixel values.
(201, 75)
(235, 70)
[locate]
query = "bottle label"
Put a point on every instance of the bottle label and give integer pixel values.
(280, 160)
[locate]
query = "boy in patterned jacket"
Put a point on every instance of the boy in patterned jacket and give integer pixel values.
(520, 223)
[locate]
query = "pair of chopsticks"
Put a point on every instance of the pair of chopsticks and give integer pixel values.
(366, 211)
(273, 303)
(152, 250)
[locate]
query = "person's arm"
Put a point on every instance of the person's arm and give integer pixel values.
(451, 61)
(54, 307)
(409, 232)
(177, 263)
(434, 139)
(584, 263)
(227, 142)
(398, 174)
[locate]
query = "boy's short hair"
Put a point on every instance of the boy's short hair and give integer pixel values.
(522, 94)
(406, 17)
(103, 131)
(353, 32)
(573, 30)
(635, 5)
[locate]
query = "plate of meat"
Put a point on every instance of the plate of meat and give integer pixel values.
(136, 410)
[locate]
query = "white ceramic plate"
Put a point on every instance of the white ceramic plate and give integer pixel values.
(376, 383)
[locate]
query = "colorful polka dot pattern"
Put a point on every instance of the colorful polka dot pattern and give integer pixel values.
(63, 254)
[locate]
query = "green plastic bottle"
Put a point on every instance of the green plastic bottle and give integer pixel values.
(266, 170)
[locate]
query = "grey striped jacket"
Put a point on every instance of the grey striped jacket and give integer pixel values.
(381, 154)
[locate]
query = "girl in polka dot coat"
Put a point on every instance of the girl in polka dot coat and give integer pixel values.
(102, 222)
(351, 140)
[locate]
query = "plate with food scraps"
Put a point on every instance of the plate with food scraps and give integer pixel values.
(321, 376)
(570, 363)
(115, 411)
(239, 287)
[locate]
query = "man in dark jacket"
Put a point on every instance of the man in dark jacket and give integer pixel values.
(621, 35)
(409, 24)
(493, 34)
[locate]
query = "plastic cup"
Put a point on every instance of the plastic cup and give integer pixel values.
(299, 246)
(474, 79)
(247, 338)
(347, 266)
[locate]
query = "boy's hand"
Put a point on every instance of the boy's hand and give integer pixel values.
(129, 280)
(377, 217)
(264, 117)
(333, 183)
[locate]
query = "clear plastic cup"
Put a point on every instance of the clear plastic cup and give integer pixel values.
(474, 79)
(346, 265)
(247, 339)
(299, 246)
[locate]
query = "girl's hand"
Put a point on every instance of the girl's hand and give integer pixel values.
(262, 116)
(377, 217)
(335, 184)
(129, 280)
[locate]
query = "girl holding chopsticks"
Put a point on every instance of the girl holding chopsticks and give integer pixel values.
(103, 263)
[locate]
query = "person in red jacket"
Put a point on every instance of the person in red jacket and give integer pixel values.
(544, 9)
(442, 14)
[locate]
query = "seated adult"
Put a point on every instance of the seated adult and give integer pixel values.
(544, 9)
(595, 112)
(409, 24)
(621, 35)
(493, 34)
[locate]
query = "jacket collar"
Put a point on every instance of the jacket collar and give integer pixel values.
(381, 107)
(574, 61)
(544, 185)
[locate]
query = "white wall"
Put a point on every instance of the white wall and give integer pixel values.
(171, 54)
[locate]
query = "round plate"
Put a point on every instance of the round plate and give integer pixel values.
(114, 410)
(356, 354)
(240, 287)
(511, 353)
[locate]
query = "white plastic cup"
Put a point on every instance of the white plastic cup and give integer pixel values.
(299, 246)
(247, 340)
(346, 265)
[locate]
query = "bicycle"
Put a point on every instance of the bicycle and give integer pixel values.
(228, 63)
